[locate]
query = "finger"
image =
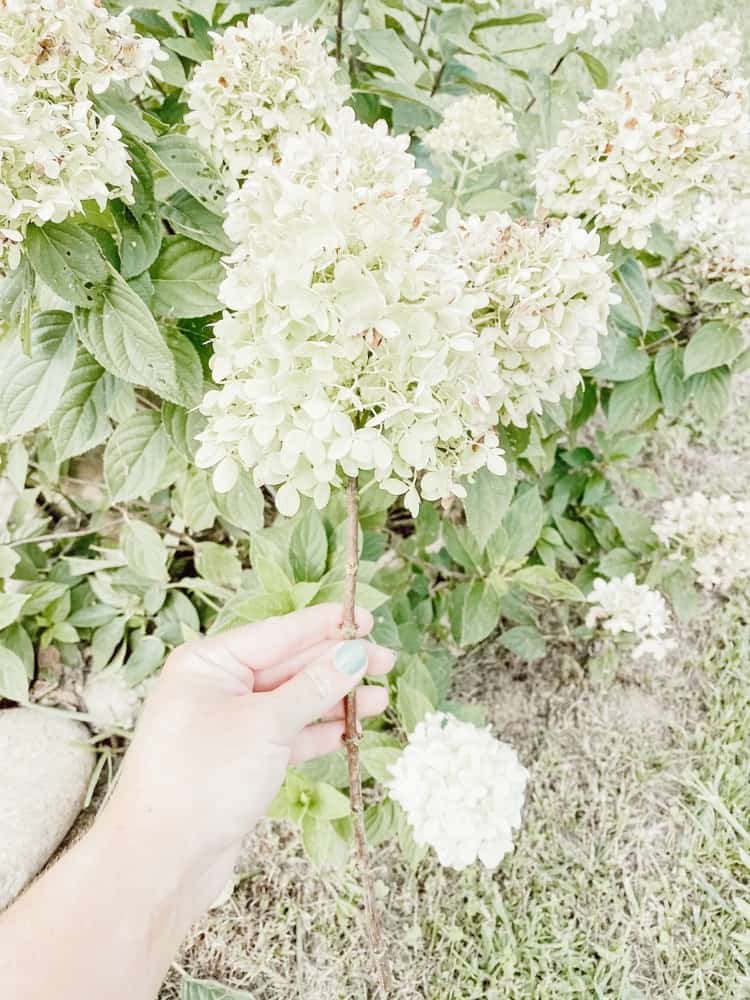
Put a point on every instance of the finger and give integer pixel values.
(371, 700)
(379, 661)
(262, 644)
(315, 689)
(317, 740)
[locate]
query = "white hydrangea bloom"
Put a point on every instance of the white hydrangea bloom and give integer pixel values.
(110, 701)
(264, 81)
(639, 152)
(716, 242)
(712, 533)
(462, 791)
(475, 130)
(53, 157)
(350, 346)
(604, 18)
(547, 294)
(59, 48)
(622, 607)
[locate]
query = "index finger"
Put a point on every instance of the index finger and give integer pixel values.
(262, 644)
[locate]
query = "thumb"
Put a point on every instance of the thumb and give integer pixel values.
(316, 689)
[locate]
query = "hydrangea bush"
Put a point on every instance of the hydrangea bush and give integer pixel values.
(259, 275)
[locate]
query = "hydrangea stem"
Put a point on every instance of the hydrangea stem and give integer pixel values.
(352, 736)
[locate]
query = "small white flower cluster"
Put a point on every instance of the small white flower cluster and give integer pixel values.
(548, 294)
(263, 82)
(474, 131)
(622, 607)
(462, 791)
(110, 701)
(350, 346)
(716, 240)
(604, 18)
(55, 151)
(639, 152)
(712, 532)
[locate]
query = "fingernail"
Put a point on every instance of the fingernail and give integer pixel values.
(350, 657)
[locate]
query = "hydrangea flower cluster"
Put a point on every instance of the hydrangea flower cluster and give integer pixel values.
(462, 791)
(349, 346)
(712, 533)
(547, 297)
(639, 152)
(264, 81)
(604, 18)
(622, 607)
(55, 150)
(716, 238)
(475, 131)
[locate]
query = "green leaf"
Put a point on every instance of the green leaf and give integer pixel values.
(634, 527)
(14, 683)
(218, 563)
(412, 705)
(205, 989)
(186, 277)
(182, 426)
(31, 385)
(720, 293)
(597, 70)
(308, 551)
(243, 505)
(503, 22)
(80, 422)
(188, 368)
(487, 500)
(323, 843)
(617, 563)
(381, 822)
(123, 336)
(144, 550)
(186, 163)
(134, 457)
(525, 641)
(623, 359)
(635, 291)
(710, 393)
(188, 217)
(139, 238)
(632, 403)
(328, 802)
(377, 761)
(118, 101)
(147, 656)
(523, 523)
(383, 47)
(670, 379)
(67, 259)
(474, 609)
(543, 581)
(196, 504)
(715, 344)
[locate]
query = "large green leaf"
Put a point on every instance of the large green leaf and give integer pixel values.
(187, 216)
(308, 550)
(635, 290)
(715, 344)
(632, 403)
(67, 259)
(31, 386)
(474, 610)
(123, 336)
(144, 550)
(710, 394)
(186, 277)
(140, 238)
(523, 523)
(134, 456)
(79, 421)
(670, 378)
(487, 500)
(525, 641)
(188, 368)
(185, 162)
(14, 683)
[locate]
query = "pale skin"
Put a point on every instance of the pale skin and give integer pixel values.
(226, 718)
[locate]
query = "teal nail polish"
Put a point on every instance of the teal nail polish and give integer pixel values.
(350, 657)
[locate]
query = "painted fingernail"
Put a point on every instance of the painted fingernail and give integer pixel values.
(350, 657)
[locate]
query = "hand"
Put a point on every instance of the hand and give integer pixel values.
(227, 716)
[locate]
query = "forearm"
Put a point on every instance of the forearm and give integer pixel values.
(111, 915)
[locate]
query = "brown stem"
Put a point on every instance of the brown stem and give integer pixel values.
(352, 736)
(552, 72)
(425, 22)
(339, 29)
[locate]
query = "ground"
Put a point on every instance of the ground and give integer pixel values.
(631, 878)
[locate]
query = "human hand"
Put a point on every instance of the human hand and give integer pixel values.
(227, 716)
